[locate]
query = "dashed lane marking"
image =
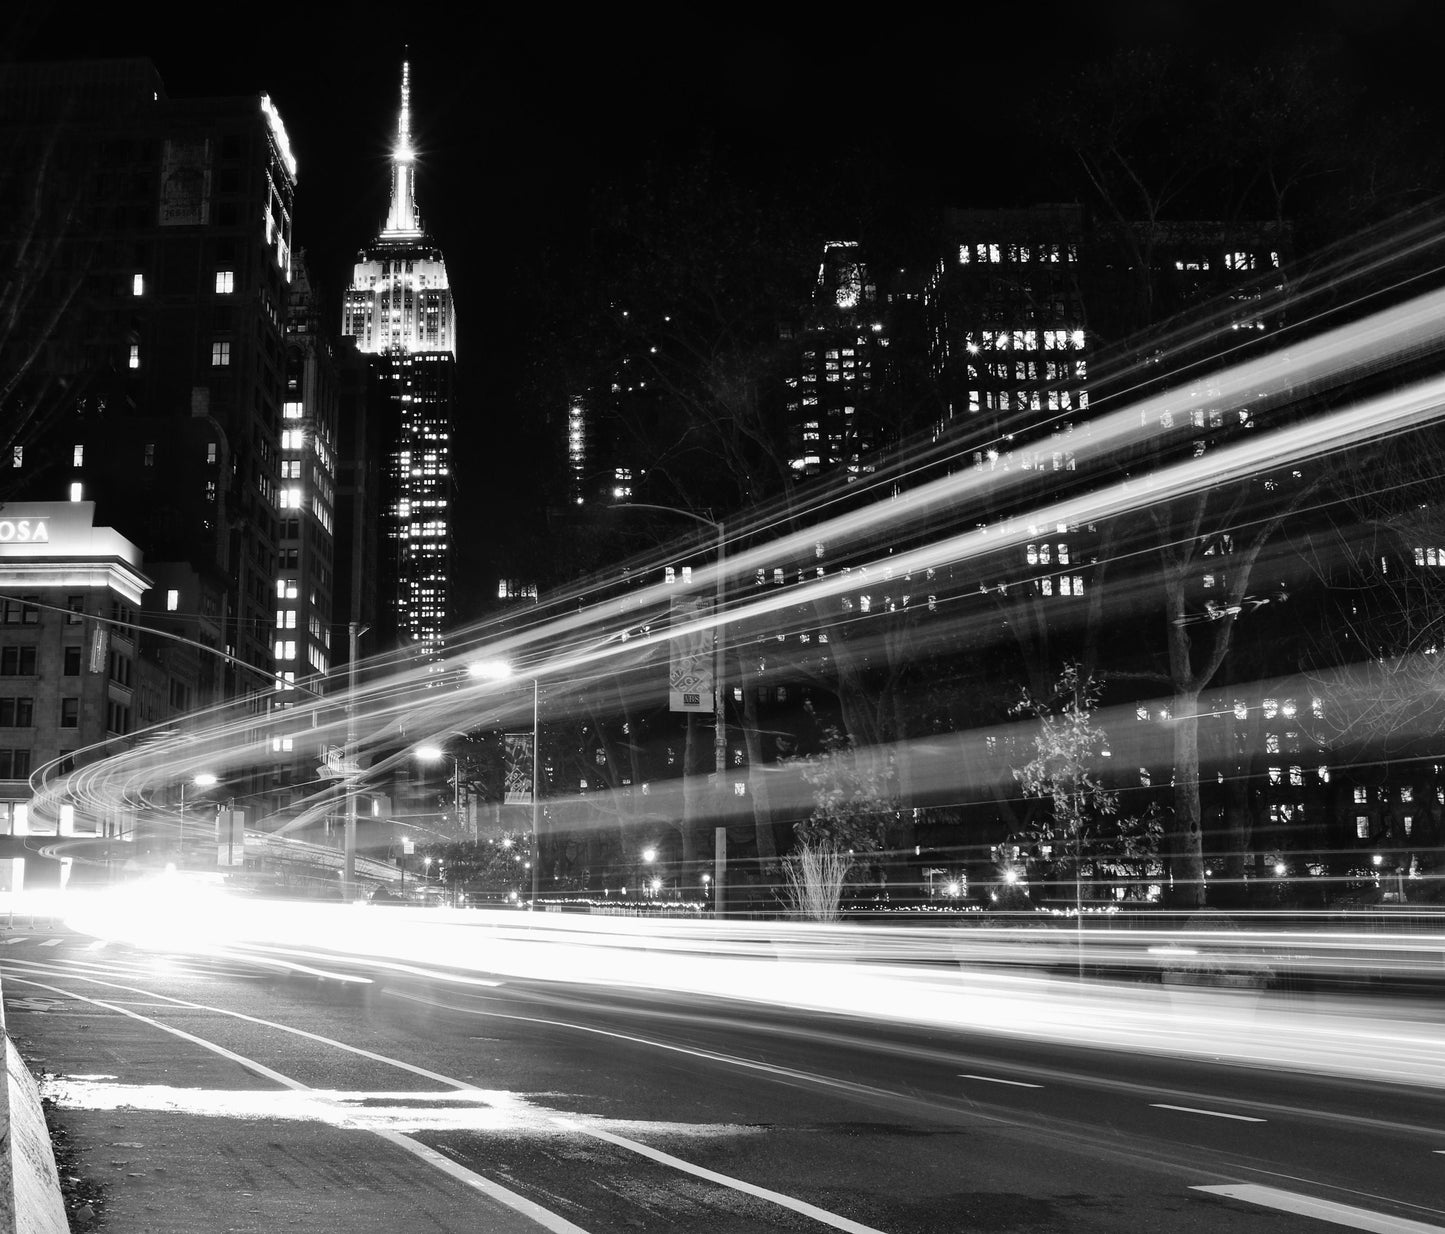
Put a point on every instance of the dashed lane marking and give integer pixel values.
(1189, 1109)
(993, 1079)
(1321, 1210)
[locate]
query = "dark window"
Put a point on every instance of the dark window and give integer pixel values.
(17, 661)
(17, 712)
(76, 605)
(72, 661)
(70, 713)
(14, 764)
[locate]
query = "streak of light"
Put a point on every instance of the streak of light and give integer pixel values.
(579, 640)
(998, 982)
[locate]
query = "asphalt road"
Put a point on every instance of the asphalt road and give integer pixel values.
(225, 1095)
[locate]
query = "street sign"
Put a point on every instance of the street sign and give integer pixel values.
(336, 766)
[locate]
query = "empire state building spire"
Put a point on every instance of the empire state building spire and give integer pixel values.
(402, 219)
(400, 300)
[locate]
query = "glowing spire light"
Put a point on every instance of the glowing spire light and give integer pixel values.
(402, 219)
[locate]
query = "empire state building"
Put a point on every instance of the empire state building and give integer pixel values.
(399, 309)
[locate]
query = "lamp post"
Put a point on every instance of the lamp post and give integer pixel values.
(430, 754)
(720, 739)
(500, 670)
(202, 779)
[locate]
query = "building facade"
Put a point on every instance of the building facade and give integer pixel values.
(73, 674)
(154, 355)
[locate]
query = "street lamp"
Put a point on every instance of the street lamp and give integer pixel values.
(202, 779)
(430, 754)
(720, 739)
(500, 670)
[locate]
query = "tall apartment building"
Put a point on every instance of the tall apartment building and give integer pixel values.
(399, 309)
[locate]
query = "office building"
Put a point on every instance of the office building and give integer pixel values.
(399, 310)
(153, 348)
(73, 675)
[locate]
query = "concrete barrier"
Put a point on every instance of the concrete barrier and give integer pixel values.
(30, 1199)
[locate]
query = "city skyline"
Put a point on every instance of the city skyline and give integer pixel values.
(518, 141)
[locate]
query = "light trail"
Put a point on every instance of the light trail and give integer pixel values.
(993, 981)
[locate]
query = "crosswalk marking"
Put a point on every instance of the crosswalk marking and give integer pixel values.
(52, 942)
(1323, 1210)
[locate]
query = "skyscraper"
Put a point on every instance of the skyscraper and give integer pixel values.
(153, 351)
(399, 309)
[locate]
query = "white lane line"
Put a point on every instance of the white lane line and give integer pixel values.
(725, 1180)
(52, 942)
(1189, 1109)
(1322, 1210)
(500, 1193)
(993, 1079)
(16, 938)
(547, 1219)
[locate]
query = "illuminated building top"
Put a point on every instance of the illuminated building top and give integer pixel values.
(400, 300)
(56, 543)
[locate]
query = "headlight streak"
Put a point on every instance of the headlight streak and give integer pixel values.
(995, 981)
(588, 642)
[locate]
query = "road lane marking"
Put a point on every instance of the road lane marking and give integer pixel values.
(550, 1221)
(487, 1186)
(993, 1079)
(1189, 1109)
(17, 938)
(52, 942)
(726, 1180)
(1321, 1210)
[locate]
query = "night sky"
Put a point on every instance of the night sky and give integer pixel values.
(516, 117)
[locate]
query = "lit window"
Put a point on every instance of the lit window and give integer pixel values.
(135, 355)
(173, 601)
(150, 454)
(138, 285)
(1362, 826)
(220, 354)
(77, 457)
(77, 491)
(225, 282)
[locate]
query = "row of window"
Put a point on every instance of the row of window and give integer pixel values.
(23, 662)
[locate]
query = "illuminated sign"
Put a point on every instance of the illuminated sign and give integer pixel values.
(24, 531)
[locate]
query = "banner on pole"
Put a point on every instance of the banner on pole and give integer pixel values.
(518, 790)
(690, 658)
